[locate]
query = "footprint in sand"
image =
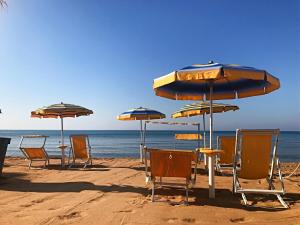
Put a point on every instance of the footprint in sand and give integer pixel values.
(237, 220)
(189, 220)
(71, 215)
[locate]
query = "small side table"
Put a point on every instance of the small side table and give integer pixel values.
(211, 153)
(62, 148)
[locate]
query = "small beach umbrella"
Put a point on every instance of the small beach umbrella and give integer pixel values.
(61, 111)
(141, 114)
(202, 108)
(215, 81)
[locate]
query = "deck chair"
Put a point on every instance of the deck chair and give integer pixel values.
(224, 161)
(80, 149)
(170, 163)
(257, 161)
(37, 153)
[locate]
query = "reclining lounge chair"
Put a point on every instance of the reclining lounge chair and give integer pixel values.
(225, 160)
(257, 161)
(36, 153)
(80, 149)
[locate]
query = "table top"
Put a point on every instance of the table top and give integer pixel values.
(209, 151)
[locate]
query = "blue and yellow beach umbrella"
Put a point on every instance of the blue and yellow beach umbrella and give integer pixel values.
(215, 81)
(141, 114)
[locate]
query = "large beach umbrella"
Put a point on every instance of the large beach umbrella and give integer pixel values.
(61, 111)
(215, 81)
(202, 108)
(141, 114)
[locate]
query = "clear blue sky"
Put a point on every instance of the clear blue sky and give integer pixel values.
(104, 55)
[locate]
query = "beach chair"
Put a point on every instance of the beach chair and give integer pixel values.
(254, 160)
(224, 161)
(80, 149)
(170, 163)
(36, 153)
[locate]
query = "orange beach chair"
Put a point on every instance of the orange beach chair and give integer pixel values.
(170, 163)
(36, 153)
(224, 161)
(80, 149)
(256, 155)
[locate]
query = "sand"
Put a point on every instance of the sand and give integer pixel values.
(114, 192)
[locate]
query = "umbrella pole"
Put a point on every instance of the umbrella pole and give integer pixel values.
(198, 135)
(144, 153)
(211, 157)
(62, 142)
(144, 137)
(204, 139)
(141, 144)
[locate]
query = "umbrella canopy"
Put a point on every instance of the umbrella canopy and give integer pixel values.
(200, 108)
(61, 111)
(141, 114)
(229, 81)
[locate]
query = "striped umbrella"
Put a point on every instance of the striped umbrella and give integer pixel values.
(202, 108)
(215, 81)
(141, 114)
(61, 111)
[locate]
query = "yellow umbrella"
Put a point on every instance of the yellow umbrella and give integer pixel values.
(61, 111)
(215, 81)
(202, 108)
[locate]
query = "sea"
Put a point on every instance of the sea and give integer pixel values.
(125, 143)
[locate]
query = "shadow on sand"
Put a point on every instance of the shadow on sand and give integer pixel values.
(224, 198)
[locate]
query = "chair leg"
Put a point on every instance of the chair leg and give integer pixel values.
(153, 187)
(29, 166)
(187, 193)
(244, 199)
(283, 203)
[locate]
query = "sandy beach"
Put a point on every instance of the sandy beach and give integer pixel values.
(114, 192)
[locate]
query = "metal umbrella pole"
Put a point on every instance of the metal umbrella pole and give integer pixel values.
(204, 139)
(62, 146)
(211, 157)
(144, 142)
(141, 144)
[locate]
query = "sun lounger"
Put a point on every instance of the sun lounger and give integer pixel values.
(225, 160)
(80, 149)
(36, 153)
(256, 161)
(170, 163)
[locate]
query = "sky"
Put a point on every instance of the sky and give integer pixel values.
(104, 55)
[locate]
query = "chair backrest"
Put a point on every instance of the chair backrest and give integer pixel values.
(80, 146)
(170, 163)
(227, 145)
(34, 153)
(254, 149)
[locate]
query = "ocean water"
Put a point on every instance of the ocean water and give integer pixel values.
(125, 143)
